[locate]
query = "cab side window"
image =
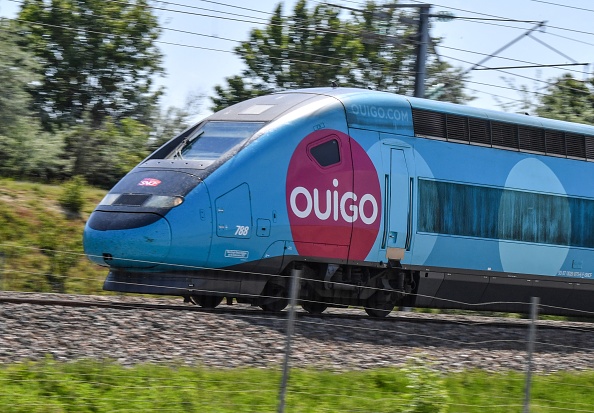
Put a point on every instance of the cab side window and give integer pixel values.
(326, 153)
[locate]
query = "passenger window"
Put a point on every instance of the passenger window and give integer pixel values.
(327, 153)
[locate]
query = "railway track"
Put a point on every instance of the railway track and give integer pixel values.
(244, 310)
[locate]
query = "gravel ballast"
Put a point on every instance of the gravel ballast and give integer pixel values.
(131, 336)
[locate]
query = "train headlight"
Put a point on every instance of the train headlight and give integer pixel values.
(163, 201)
(149, 201)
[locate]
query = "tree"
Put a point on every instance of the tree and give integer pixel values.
(95, 57)
(103, 155)
(25, 150)
(237, 90)
(17, 72)
(172, 121)
(568, 99)
(314, 48)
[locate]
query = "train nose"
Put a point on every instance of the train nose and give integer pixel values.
(127, 240)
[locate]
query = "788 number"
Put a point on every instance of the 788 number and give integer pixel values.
(242, 230)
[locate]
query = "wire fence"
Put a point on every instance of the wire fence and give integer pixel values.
(146, 359)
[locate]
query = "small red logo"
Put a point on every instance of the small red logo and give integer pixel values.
(149, 182)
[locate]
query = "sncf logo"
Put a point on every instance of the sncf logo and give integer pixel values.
(347, 206)
(149, 182)
(334, 207)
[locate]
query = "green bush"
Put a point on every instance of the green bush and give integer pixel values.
(72, 195)
(427, 389)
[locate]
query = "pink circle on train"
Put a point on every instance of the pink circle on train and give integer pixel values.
(333, 197)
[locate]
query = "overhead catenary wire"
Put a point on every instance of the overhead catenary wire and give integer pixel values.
(563, 5)
(169, 43)
(234, 16)
(211, 36)
(311, 54)
(548, 83)
(322, 56)
(282, 58)
(319, 2)
(219, 4)
(535, 64)
(296, 60)
(267, 22)
(589, 33)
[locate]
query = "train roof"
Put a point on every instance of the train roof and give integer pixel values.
(515, 118)
(268, 107)
(430, 119)
(449, 108)
(465, 124)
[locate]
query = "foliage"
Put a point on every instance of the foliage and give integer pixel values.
(568, 99)
(103, 386)
(313, 48)
(95, 58)
(41, 244)
(428, 393)
(61, 246)
(88, 65)
(25, 150)
(30, 153)
(172, 121)
(237, 90)
(17, 72)
(72, 194)
(102, 155)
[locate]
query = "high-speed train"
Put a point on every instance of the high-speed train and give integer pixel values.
(379, 199)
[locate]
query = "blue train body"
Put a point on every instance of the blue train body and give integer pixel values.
(381, 199)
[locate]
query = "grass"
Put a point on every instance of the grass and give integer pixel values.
(41, 243)
(479, 391)
(90, 386)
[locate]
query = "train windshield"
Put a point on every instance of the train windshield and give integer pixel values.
(215, 138)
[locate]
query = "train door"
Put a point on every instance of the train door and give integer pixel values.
(363, 204)
(234, 228)
(397, 208)
(319, 181)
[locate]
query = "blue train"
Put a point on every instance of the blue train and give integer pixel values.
(381, 200)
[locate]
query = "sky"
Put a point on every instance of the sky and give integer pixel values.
(202, 57)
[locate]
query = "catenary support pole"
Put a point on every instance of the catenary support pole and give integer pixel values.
(421, 63)
(295, 276)
(531, 339)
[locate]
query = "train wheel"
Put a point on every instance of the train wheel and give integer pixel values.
(206, 301)
(312, 302)
(276, 298)
(314, 307)
(377, 313)
(379, 306)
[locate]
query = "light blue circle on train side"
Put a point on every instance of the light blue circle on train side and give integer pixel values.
(520, 257)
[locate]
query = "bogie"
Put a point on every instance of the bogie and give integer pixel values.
(376, 289)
